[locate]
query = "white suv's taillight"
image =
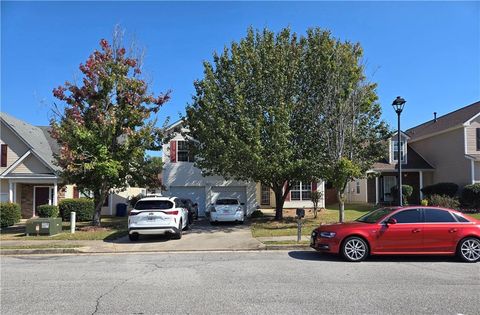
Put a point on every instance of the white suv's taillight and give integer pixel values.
(133, 212)
(239, 209)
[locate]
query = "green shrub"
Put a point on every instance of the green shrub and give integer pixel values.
(83, 207)
(424, 202)
(471, 196)
(407, 191)
(443, 201)
(10, 214)
(47, 211)
(442, 189)
(256, 214)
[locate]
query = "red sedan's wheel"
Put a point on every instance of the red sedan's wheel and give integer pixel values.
(469, 249)
(354, 249)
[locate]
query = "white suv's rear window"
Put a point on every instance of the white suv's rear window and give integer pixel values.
(153, 204)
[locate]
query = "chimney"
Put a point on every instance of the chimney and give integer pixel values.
(434, 116)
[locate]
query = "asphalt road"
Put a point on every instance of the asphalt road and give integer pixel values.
(266, 282)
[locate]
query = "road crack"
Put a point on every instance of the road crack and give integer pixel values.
(97, 304)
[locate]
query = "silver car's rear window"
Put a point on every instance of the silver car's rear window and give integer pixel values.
(227, 202)
(153, 204)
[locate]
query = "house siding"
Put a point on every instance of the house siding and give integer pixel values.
(446, 153)
(16, 147)
(31, 165)
(351, 191)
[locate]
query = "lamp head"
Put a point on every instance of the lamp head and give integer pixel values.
(398, 104)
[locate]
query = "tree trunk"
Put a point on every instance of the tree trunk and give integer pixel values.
(341, 206)
(99, 200)
(279, 200)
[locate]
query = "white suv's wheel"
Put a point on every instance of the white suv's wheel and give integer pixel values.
(469, 249)
(354, 249)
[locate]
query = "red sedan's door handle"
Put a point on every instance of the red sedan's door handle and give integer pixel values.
(452, 230)
(416, 230)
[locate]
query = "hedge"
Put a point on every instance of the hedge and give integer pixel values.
(10, 214)
(442, 189)
(83, 207)
(443, 201)
(47, 211)
(471, 196)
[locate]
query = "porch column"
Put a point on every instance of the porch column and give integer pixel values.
(55, 193)
(10, 191)
(421, 184)
(376, 190)
(110, 199)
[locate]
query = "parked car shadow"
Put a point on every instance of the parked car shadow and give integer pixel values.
(316, 256)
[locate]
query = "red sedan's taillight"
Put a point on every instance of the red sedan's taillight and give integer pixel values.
(175, 212)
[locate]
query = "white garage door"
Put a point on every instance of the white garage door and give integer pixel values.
(196, 194)
(239, 192)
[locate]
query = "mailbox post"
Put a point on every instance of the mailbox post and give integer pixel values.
(300, 214)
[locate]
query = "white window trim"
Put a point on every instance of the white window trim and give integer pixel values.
(358, 187)
(301, 193)
(393, 147)
(177, 150)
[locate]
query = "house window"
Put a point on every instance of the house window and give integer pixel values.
(265, 195)
(357, 187)
(478, 139)
(395, 150)
(301, 191)
(183, 152)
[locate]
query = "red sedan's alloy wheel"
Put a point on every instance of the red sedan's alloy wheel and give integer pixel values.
(355, 249)
(469, 249)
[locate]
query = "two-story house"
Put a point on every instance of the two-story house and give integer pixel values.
(181, 178)
(444, 149)
(28, 175)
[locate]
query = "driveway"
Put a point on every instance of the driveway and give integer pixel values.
(201, 236)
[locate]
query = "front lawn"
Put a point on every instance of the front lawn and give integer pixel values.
(267, 226)
(112, 228)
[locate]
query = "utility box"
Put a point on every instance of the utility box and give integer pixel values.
(43, 226)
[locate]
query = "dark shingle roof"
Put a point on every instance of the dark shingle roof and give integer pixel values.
(414, 162)
(444, 122)
(37, 138)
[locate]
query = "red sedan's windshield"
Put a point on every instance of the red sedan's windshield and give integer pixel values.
(375, 215)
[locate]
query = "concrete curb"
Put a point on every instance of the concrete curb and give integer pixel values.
(39, 251)
(287, 247)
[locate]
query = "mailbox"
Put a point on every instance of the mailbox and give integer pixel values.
(300, 213)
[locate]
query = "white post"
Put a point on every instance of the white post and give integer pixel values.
(421, 184)
(110, 199)
(472, 170)
(376, 190)
(55, 193)
(10, 191)
(72, 222)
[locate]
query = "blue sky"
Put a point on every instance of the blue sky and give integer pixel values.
(427, 52)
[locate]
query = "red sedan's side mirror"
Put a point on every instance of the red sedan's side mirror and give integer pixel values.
(392, 221)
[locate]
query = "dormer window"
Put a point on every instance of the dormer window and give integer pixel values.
(183, 151)
(394, 151)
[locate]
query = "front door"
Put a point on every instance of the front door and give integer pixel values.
(42, 197)
(388, 183)
(404, 236)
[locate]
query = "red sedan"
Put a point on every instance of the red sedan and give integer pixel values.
(407, 230)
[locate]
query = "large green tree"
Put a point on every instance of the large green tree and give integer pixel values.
(106, 125)
(348, 132)
(243, 114)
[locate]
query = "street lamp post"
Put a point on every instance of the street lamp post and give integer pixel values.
(398, 104)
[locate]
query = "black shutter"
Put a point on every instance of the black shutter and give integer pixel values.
(3, 155)
(478, 139)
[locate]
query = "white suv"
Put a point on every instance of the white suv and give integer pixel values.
(157, 215)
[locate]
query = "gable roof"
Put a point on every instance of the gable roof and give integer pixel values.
(37, 139)
(414, 162)
(444, 123)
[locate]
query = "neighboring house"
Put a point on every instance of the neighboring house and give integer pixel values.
(444, 149)
(182, 179)
(28, 176)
